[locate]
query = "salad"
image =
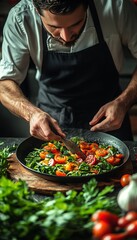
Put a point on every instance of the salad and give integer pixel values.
(54, 158)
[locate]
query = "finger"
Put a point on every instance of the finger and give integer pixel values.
(104, 126)
(37, 133)
(56, 128)
(52, 131)
(49, 134)
(43, 132)
(98, 116)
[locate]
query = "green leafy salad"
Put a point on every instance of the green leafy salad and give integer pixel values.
(54, 158)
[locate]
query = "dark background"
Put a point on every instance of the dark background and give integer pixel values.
(12, 126)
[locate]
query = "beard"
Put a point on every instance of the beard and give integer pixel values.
(74, 37)
(67, 44)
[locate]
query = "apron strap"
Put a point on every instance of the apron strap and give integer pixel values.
(96, 20)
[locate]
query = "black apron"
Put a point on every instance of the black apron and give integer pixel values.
(73, 86)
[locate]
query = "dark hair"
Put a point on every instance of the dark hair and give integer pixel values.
(58, 6)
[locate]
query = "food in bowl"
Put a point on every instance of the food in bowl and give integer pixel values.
(54, 158)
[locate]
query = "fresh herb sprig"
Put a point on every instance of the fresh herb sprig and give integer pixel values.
(5, 153)
(54, 218)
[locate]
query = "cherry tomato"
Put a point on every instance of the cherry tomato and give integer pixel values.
(100, 229)
(125, 179)
(110, 159)
(101, 152)
(47, 147)
(122, 222)
(115, 236)
(84, 145)
(128, 218)
(104, 215)
(119, 155)
(94, 147)
(60, 159)
(42, 154)
(113, 160)
(117, 161)
(60, 174)
(131, 229)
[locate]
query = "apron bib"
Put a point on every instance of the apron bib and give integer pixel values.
(73, 86)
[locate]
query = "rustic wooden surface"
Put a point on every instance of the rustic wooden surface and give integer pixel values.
(40, 185)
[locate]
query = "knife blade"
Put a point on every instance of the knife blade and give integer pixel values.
(72, 147)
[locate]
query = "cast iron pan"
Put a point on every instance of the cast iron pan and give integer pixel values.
(30, 143)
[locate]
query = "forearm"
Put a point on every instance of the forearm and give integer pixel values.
(129, 95)
(40, 122)
(14, 100)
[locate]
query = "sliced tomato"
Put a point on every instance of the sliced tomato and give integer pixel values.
(54, 150)
(51, 145)
(60, 173)
(113, 160)
(94, 147)
(84, 145)
(101, 152)
(51, 162)
(119, 155)
(116, 161)
(47, 147)
(91, 159)
(60, 158)
(42, 154)
(110, 159)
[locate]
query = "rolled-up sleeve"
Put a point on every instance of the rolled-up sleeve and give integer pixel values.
(127, 24)
(15, 54)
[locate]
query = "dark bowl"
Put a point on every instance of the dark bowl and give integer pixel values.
(30, 143)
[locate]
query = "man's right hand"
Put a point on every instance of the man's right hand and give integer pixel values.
(41, 123)
(44, 127)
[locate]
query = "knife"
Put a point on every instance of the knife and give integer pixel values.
(71, 146)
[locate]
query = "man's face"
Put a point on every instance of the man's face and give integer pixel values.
(65, 28)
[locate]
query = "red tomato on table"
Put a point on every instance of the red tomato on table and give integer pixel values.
(125, 179)
(100, 229)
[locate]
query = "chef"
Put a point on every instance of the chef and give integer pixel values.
(76, 47)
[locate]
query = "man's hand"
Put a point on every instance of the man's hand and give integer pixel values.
(44, 127)
(112, 114)
(41, 123)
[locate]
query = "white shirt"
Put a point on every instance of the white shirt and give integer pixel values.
(22, 36)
